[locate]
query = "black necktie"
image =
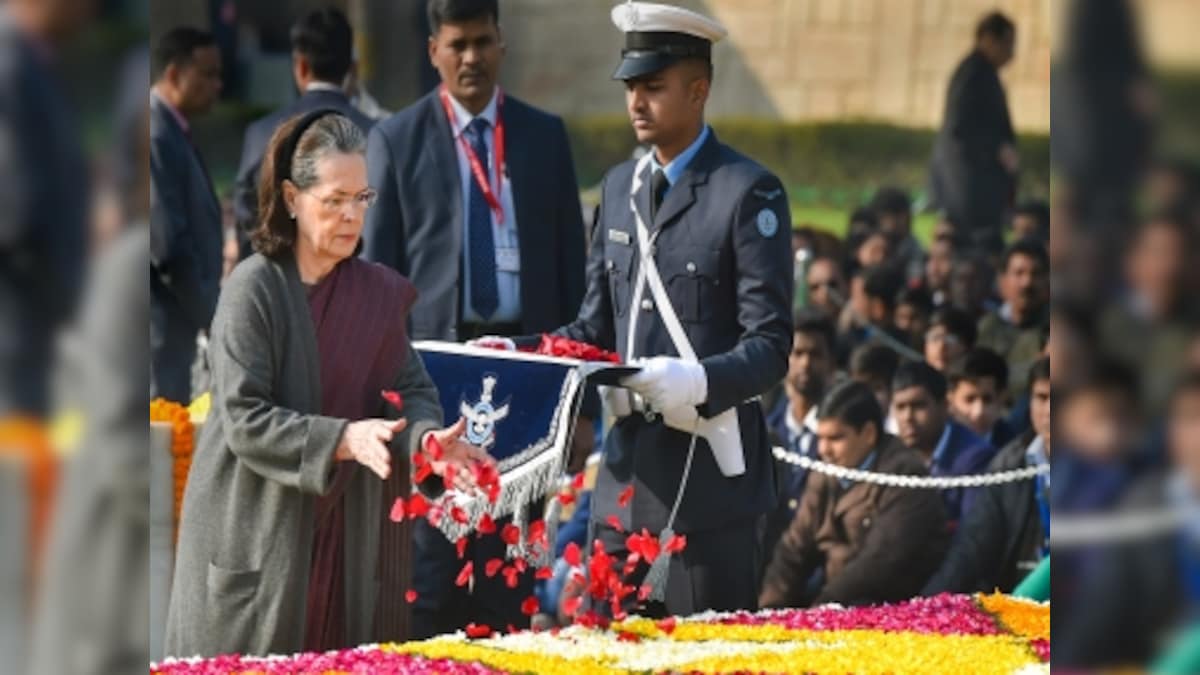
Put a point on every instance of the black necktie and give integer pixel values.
(658, 188)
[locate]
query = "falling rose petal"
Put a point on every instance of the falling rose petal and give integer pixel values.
(461, 547)
(458, 515)
(571, 605)
(544, 573)
(643, 592)
(478, 630)
(666, 625)
(676, 544)
(492, 566)
(572, 554)
(626, 636)
(418, 506)
(398, 510)
(419, 459)
(486, 525)
(615, 523)
(512, 629)
(577, 481)
(410, 596)
(511, 576)
(448, 474)
(530, 606)
(537, 532)
(511, 534)
(521, 565)
(625, 496)
(493, 493)
(393, 398)
(566, 498)
(464, 575)
(422, 473)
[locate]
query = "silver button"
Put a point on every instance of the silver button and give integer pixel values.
(647, 305)
(792, 504)
(691, 267)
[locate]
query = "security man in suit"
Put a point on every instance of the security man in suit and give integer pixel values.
(479, 208)
(186, 237)
(705, 229)
(322, 55)
(974, 168)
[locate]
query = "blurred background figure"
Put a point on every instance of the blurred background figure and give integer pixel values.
(975, 159)
(187, 238)
(322, 58)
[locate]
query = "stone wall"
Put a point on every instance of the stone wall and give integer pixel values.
(790, 59)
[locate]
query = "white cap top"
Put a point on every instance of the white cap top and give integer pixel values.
(650, 17)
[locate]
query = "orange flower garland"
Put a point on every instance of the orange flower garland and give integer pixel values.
(182, 445)
(27, 440)
(1022, 617)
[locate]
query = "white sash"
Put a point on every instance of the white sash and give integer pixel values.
(722, 432)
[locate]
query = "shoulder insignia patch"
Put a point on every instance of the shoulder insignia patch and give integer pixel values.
(767, 223)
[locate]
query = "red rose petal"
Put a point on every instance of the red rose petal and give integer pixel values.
(458, 515)
(577, 481)
(394, 398)
(676, 544)
(511, 575)
(571, 605)
(521, 565)
(666, 625)
(398, 510)
(464, 575)
(418, 506)
(626, 636)
(478, 630)
(643, 592)
(448, 474)
(566, 498)
(572, 554)
(537, 532)
(492, 566)
(410, 596)
(615, 523)
(461, 547)
(434, 448)
(511, 534)
(530, 606)
(544, 573)
(422, 473)
(625, 496)
(493, 493)
(512, 629)
(486, 525)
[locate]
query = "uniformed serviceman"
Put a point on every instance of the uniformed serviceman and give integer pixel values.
(689, 274)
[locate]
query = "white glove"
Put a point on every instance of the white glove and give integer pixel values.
(668, 383)
(493, 342)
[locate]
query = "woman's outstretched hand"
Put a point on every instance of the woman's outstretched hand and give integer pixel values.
(458, 454)
(366, 442)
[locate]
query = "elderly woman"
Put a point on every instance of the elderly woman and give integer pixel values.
(279, 540)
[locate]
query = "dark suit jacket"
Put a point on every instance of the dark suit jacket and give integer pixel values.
(1001, 530)
(43, 216)
(874, 543)
(966, 177)
(185, 251)
(258, 134)
(417, 225)
(966, 454)
(730, 280)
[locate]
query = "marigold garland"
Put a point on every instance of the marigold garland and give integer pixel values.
(27, 440)
(948, 633)
(183, 434)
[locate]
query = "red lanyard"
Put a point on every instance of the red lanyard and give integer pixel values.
(477, 169)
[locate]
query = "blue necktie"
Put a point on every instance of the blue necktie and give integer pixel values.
(485, 295)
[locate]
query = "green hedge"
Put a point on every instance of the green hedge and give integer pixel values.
(835, 163)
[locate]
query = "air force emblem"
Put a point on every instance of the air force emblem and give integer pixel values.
(483, 415)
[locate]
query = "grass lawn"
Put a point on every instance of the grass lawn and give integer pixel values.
(834, 220)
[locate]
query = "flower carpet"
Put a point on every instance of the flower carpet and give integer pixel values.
(944, 634)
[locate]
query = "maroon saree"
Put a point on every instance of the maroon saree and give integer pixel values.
(360, 313)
